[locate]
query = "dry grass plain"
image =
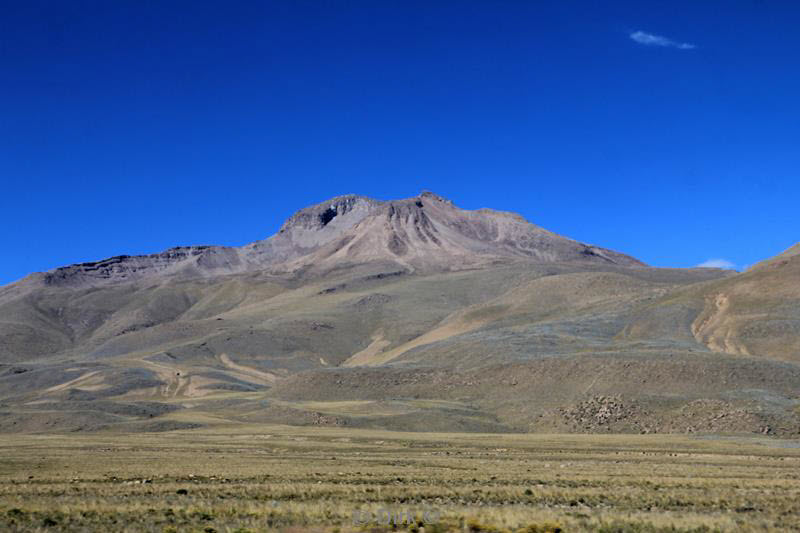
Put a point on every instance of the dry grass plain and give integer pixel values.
(263, 478)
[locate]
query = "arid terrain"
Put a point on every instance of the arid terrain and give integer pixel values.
(467, 368)
(244, 477)
(410, 315)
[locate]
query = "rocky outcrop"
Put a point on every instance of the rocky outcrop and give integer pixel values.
(606, 413)
(191, 261)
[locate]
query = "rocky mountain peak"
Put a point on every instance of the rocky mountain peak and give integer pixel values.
(315, 217)
(433, 196)
(429, 233)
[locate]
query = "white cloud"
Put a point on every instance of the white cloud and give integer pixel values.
(717, 263)
(649, 39)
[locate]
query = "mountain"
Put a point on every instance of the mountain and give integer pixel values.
(405, 314)
(426, 234)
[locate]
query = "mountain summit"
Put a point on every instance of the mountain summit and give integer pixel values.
(426, 232)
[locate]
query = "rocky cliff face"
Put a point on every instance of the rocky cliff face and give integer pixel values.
(311, 228)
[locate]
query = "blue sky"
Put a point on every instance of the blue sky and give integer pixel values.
(667, 130)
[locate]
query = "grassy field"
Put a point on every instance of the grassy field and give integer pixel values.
(256, 478)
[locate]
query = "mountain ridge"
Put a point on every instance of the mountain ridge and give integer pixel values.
(366, 229)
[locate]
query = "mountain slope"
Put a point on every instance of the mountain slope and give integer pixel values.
(756, 312)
